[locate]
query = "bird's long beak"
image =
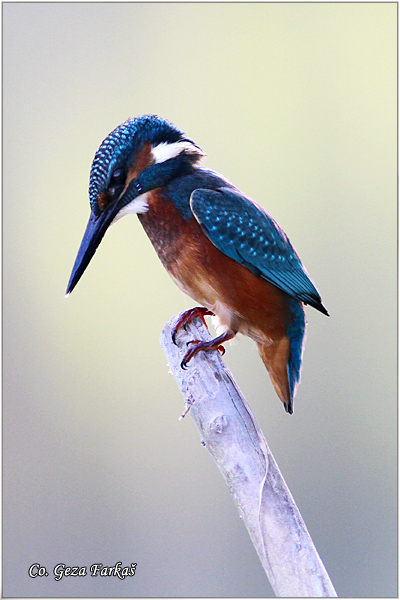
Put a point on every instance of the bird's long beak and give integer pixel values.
(95, 230)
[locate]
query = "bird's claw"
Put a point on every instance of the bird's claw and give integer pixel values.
(175, 331)
(189, 355)
(187, 317)
(199, 345)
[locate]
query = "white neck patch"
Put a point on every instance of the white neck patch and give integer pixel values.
(160, 153)
(165, 151)
(136, 206)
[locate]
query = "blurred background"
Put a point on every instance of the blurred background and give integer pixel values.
(296, 105)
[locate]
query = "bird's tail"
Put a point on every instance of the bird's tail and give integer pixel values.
(276, 357)
(283, 359)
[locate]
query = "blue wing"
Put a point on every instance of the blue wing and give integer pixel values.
(247, 233)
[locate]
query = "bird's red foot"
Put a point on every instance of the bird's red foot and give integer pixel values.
(220, 347)
(189, 315)
(215, 344)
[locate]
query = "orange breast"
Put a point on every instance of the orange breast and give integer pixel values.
(256, 307)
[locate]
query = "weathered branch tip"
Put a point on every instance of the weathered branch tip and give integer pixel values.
(231, 434)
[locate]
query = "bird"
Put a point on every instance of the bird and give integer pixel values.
(219, 246)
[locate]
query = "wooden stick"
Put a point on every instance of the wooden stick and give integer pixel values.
(231, 434)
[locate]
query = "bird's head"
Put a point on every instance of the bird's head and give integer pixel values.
(138, 156)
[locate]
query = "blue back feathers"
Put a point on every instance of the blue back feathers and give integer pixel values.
(180, 189)
(248, 234)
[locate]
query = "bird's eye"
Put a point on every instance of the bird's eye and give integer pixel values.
(118, 177)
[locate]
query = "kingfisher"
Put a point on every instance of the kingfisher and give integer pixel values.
(218, 245)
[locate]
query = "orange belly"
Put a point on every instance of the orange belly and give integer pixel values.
(257, 308)
(242, 301)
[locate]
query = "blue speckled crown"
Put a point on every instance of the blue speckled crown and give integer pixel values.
(122, 142)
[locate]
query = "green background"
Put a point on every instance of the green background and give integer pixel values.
(296, 105)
